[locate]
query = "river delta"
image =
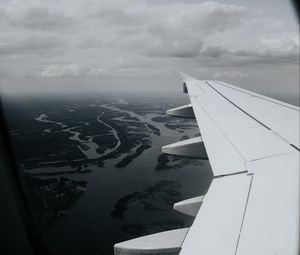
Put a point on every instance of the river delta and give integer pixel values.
(93, 168)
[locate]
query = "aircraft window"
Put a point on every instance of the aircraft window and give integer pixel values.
(87, 120)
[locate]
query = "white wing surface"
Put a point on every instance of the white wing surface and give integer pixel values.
(252, 205)
(252, 142)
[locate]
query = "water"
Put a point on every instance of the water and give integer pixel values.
(116, 203)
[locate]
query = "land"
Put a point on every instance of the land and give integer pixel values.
(57, 138)
(48, 144)
(52, 198)
(154, 198)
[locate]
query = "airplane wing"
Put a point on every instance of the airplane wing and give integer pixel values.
(252, 205)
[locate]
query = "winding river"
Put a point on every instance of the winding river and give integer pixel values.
(89, 148)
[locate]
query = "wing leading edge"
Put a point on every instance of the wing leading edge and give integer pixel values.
(252, 143)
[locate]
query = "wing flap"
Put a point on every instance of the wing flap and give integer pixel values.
(217, 225)
(271, 223)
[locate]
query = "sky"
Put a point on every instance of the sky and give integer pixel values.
(139, 45)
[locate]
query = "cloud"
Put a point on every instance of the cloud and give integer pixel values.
(227, 74)
(276, 50)
(41, 18)
(30, 44)
(55, 71)
(214, 52)
(214, 17)
(98, 72)
(153, 37)
(266, 57)
(272, 50)
(179, 48)
(170, 30)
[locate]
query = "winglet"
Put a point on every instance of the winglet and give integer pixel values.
(185, 77)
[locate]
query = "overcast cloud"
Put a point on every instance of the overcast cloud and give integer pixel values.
(138, 39)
